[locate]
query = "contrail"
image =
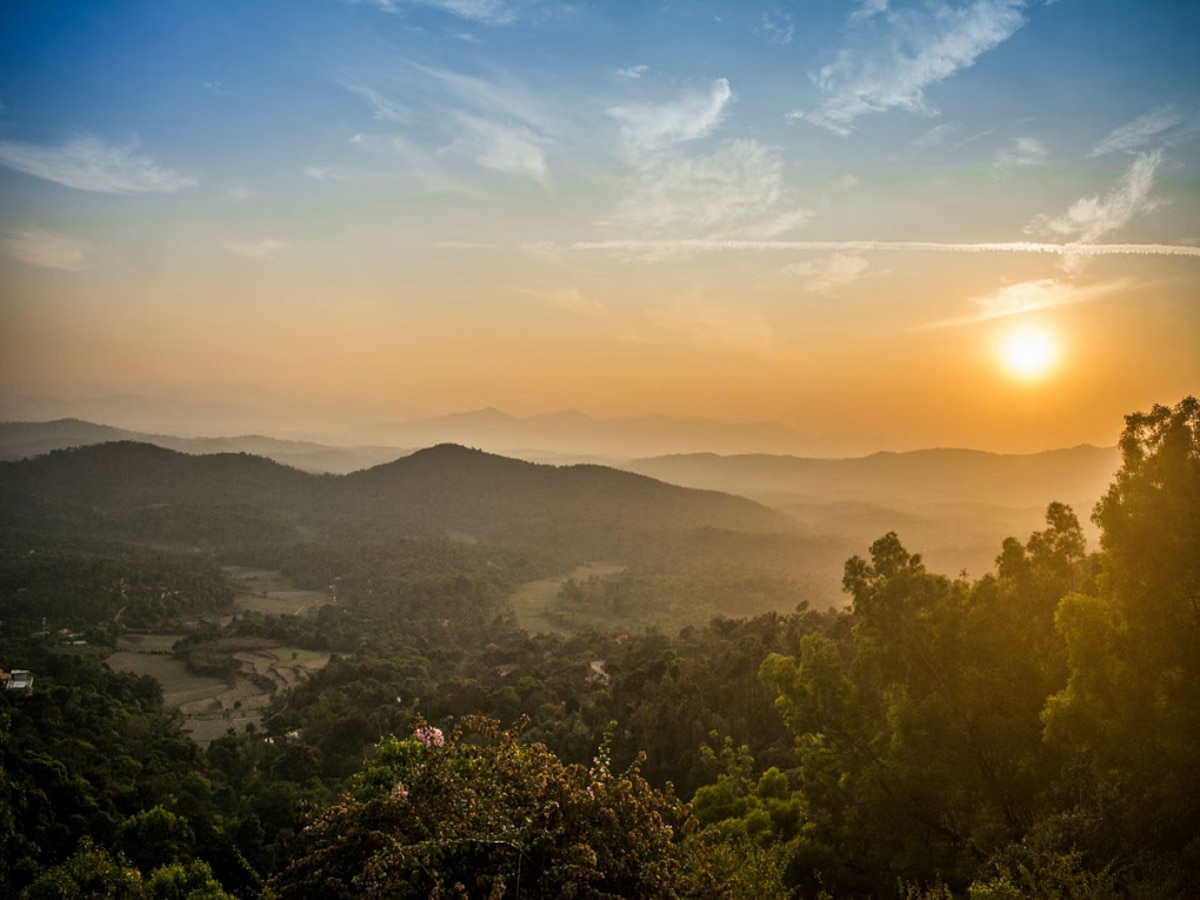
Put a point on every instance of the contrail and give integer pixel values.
(692, 246)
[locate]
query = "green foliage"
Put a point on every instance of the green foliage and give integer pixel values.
(1129, 715)
(155, 837)
(184, 881)
(94, 872)
(485, 815)
(1029, 733)
(91, 872)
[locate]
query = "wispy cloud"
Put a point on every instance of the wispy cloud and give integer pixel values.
(1139, 132)
(651, 250)
(891, 67)
(255, 249)
(738, 190)
(1090, 218)
(46, 249)
(827, 275)
(778, 28)
(487, 12)
(1024, 151)
(327, 173)
(866, 9)
(87, 163)
(634, 72)
(414, 160)
(651, 127)
(936, 136)
(1027, 297)
(383, 109)
(495, 97)
(570, 299)
(513, 149)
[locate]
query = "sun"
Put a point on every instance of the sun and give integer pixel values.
(1029, 352)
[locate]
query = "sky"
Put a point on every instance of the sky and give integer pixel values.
(907, 223)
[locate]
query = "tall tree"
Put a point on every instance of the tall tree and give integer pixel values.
(1131, 709)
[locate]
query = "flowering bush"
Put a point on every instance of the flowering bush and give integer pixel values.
(430, 737)
(487, 816)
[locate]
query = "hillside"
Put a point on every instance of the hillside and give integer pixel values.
(957, 506)
(24, 440)
(936, 475)
(151, 493)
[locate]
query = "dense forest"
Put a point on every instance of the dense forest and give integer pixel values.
(1033, 732)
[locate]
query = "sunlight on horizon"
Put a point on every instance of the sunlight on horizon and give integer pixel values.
(1029, 353)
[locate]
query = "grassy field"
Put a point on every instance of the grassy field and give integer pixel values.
(149, 643)
(211, 706)
(271, 593)
(179, 686)
(534, 599)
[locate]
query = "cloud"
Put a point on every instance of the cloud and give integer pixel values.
(86, 163)
(1025, 151)
(634, 72)
(865, 10)
(487, 12)
(570, 299)
(513, 149)
(493, 98)
(327, 173)
(737, 191)
(1027, 297)
(1139, 132)
(892, 67)
(827, 275)
(416, 161)
(651, 250)
(778, 29)
(382, 109)
(255, 249)
(936, 136)
(1090, 218)
(651, 127)
(46, 249)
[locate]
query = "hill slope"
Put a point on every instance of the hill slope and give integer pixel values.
(140, 489)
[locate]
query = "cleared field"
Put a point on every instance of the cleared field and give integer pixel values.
(271, 593)
(282, 603)
(179, 685)
(149, 643)
(532, 600)
(211, 706)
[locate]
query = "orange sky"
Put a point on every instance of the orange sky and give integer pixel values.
(395, 213)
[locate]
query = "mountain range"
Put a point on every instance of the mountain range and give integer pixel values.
(147, 492)
(955, 506)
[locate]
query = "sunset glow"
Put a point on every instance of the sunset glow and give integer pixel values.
(1029, 353)
(304, 218)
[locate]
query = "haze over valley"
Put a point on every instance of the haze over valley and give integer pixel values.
(540, 449)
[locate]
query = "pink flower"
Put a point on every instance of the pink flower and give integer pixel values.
(430, 737)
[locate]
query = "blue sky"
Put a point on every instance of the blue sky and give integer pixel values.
(327, 212)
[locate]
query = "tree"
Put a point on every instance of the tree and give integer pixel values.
(1130, 712)
(477, 813)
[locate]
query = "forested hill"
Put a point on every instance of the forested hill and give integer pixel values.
(25, 440)
(147, 491)
(1076, 475)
